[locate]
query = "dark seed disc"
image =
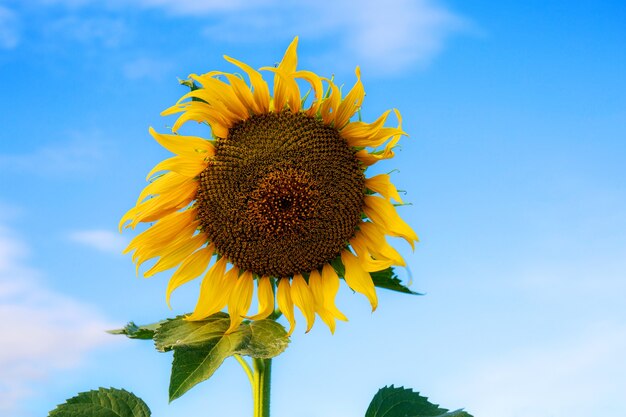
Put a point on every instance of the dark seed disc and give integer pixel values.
(282, 195)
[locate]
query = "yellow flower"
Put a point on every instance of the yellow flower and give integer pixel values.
(279, 196)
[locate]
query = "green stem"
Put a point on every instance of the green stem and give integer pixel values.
(261, 387)
(249, 372)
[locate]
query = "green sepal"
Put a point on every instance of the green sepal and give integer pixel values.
(338, 267)
(200, 347)
(388, 279)
(403, 402)
(189, 83)
(104, 402)
(132, 331)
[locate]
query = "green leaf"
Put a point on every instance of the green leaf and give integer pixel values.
(179, 332)
(388, 279)
(138, 332)
(200, 347)
(194, 365)
(403, 402)
(105, 402)
(269, 339)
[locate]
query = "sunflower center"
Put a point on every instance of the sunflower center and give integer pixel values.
(282, 195)
(283, 202)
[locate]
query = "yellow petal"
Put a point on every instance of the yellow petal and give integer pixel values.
(370, 158)
(290, 60)
(358, 279)
(303, 299)
(315, 283)
(210, 101)
(158, 207)
(134, 215)
(316, 85)
(189, 146)
(190, 269)
(213, 291)
(285, 303)
(176, 108)
(328, 107)
(359, 133)
(201, 113)
(374, 238)
(266, 299)
(285, 87)
(383, 213)
(367, 263)
(383, 135)
(143, 244)
(382, 185)
(242, 90)
(351, 103)
(286, 91)
(162, 206)
(187, 167)
(178, 252)
(146, 248)
(165, 229)
(220, 96)
(166, 182)
(260, 91)
(240, 300)
(330, 286)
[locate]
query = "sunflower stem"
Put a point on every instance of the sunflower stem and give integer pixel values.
(247, 369)
(262, 382)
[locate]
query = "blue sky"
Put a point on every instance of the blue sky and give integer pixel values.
(515, 169)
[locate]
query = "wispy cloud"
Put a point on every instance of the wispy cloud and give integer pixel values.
(576, 377)
(40, 322)
(101, 240)
(397, 34)
(81, 154)
(9, 34)
(385, 37)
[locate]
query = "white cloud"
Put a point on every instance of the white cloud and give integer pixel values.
(40, 323)
(80, 154)
(401, 32)
(9, 34)
(383, 37)
(102, 240)
(578, 377)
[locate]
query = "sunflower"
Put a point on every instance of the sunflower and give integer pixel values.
(277, 196)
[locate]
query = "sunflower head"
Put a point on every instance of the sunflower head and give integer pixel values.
(278, 196)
